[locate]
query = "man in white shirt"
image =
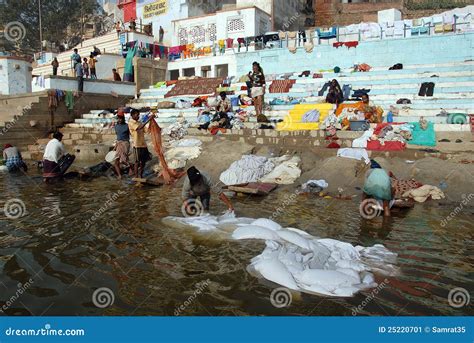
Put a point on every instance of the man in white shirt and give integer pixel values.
(55, 159)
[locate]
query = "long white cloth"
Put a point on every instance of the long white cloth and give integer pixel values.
(354, 153)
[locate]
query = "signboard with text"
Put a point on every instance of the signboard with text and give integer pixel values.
(155, 9)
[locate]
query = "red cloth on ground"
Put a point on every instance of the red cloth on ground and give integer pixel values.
(333, 145)
(352, 44)
(337, 44)
(388, 146)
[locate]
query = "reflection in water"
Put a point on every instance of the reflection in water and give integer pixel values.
(76, 237)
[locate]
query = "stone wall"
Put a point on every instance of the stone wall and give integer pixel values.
(16, 123)
(147, 72)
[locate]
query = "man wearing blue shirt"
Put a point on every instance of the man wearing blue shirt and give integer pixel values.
(79, 76)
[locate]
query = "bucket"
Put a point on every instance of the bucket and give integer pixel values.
(359, 125)
(111, 156)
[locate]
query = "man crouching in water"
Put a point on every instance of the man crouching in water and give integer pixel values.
(198, 185)
(55, 160)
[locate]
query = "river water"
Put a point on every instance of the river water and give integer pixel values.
(75, 237)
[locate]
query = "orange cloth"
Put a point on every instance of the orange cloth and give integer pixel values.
(169, 175)
(356, 106)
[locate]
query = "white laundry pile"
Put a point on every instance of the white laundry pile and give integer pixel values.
(177, 130)
(354, 153)
(422, 193)
(361, 142)
(285, 172)
(182, 151)
(299, 261)
(249, 168)
(282, 170)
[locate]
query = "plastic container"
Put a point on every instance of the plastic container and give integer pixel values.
(359, 125)
(390, 117)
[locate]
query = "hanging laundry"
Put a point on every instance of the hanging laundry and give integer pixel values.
(69, 100)
(230, 43)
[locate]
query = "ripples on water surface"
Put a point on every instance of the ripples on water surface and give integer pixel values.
(69, 252)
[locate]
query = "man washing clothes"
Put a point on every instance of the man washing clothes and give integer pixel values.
(196, 185)
(140, 149)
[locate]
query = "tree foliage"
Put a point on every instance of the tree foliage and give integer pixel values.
(57, 16)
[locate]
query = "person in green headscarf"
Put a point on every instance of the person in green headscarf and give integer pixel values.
(378, 186)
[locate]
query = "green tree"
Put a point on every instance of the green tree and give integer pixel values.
(57, 16)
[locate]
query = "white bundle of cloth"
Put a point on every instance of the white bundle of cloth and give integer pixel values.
(286, 171)
(249, 168)
(181, 151)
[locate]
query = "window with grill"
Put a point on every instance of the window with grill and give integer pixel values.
(183, 36)
(212, 32)
(198, 34)
(235, 25)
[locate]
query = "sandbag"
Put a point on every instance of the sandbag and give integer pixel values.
(165, 105)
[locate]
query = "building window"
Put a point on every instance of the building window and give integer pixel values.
(198, 34)
(212, 32)
(235, 25)
(182, 36)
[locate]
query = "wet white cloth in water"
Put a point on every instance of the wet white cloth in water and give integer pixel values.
(361, 142)
(249, 168)
(286, 171)
(299, 261)
(354, 153)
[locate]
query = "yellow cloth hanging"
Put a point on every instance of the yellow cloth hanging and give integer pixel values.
(221, 43)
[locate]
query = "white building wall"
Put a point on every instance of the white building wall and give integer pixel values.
(245, 23)
(176, 9)
(15, 75)
(90, 86)
(211, 61)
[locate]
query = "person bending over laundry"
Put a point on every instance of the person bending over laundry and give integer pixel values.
(371, 112)
(55, 160)
(378, 186)
(198, 185)
(140, 149)
(122, 146)
(13, 160)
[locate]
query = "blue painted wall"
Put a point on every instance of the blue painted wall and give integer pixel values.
(419, 50)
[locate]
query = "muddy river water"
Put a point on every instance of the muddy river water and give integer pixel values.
(59, 243)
